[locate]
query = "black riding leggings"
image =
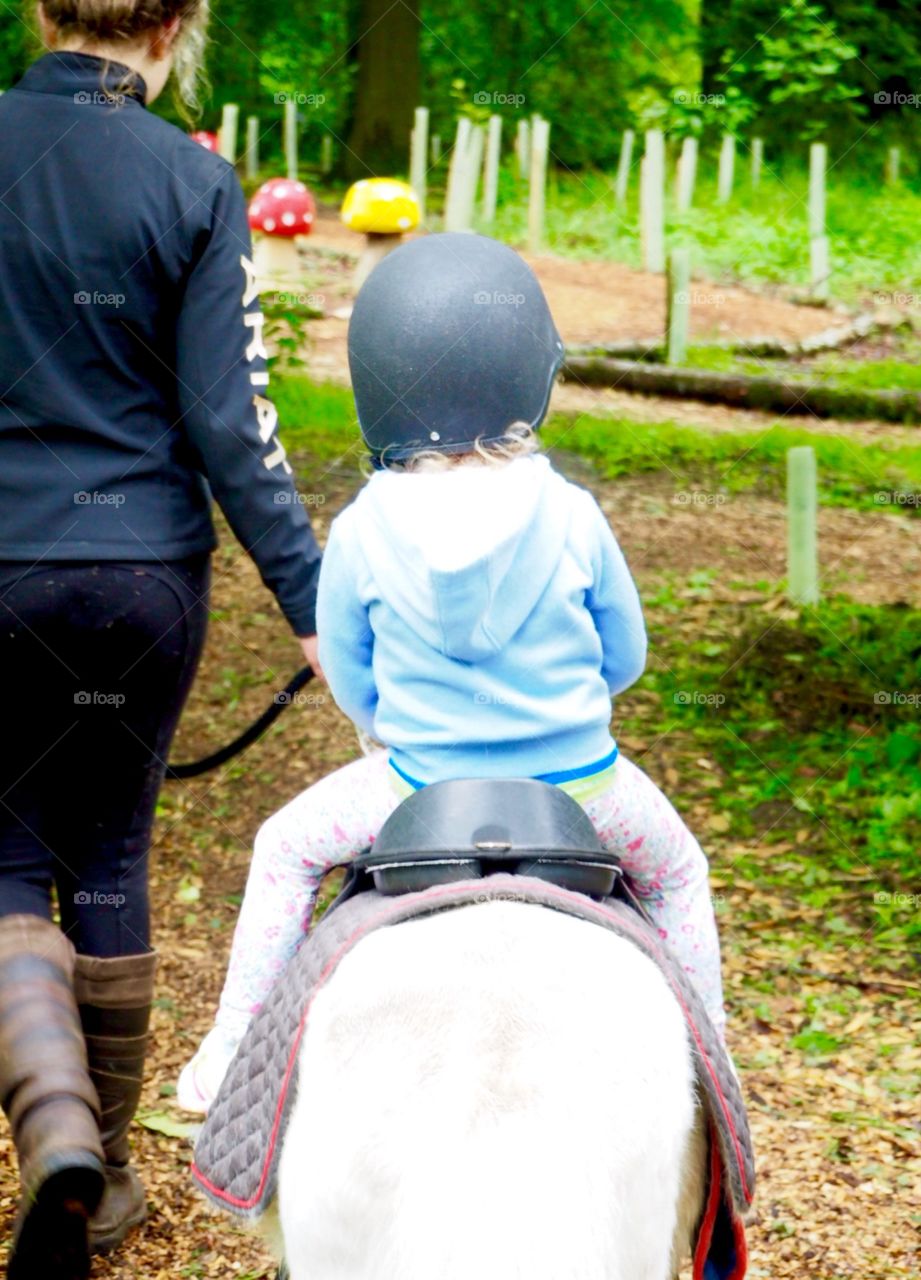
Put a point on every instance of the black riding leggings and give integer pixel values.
(96, 662)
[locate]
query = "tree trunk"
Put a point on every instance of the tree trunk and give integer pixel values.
(866, 325)
(235, 78)
(387, 88)
(708, 47)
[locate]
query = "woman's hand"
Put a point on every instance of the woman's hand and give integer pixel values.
(310, 649)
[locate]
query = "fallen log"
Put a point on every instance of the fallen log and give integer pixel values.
(776, 395)
(867, 325)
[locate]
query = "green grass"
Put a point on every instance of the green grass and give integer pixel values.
(870, 375)
(317, 416)
(833, 368)
(320, 418)
(758, 238)
(850, 473)
(816, 724)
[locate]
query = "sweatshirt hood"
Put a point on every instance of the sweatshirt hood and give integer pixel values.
(463, 555)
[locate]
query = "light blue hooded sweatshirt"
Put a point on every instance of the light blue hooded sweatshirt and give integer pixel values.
(477, 620)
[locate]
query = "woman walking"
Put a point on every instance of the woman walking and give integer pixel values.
(132, 389)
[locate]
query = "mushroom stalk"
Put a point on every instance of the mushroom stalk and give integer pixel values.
(275, 259)
(377, 246)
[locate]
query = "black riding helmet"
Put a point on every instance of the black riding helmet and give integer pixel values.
(451, 341)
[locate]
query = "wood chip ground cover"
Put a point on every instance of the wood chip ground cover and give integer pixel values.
(825, 1033)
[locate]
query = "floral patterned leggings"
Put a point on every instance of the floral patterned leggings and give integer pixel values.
(332, 821)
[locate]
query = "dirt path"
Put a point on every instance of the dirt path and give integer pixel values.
(741, 538)
(606, 301)
(600, 302)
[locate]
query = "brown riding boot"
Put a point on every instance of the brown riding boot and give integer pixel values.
(49, 1098)
(114, 997)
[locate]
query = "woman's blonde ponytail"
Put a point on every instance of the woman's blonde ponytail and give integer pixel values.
(114, 22)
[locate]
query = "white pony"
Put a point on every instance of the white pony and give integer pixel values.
(496, 1092)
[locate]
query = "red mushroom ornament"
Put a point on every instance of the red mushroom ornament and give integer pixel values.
(281, 210)
(205, 139)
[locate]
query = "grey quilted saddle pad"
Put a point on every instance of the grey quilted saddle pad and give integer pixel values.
(238, 1149)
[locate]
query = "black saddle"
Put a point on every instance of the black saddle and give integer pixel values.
(463, 830)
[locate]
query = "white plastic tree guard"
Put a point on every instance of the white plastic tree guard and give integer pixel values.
(227, 134)
(326, 154)
(802, 537)
(679, 305)
(819, 263)
(652, 202)
(491, 170)
(818, 156)
(251, 157)
(687, 174)
(727, 167)
(537, 196)
(523, 148)
(757, 162)
(624, 160)
(893, 165)
(418, 153)
(290, 126)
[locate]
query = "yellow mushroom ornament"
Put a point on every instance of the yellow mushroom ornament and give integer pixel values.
(384, 210)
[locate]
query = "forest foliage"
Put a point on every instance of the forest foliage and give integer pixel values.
(787, 70)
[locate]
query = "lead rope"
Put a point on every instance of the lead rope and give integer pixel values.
(282, 699)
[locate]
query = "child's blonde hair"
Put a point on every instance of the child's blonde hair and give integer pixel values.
(114, 22)
(518, 442)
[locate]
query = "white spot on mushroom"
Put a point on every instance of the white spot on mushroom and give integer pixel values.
(404, 223)
(288, 218)
(269, 224)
